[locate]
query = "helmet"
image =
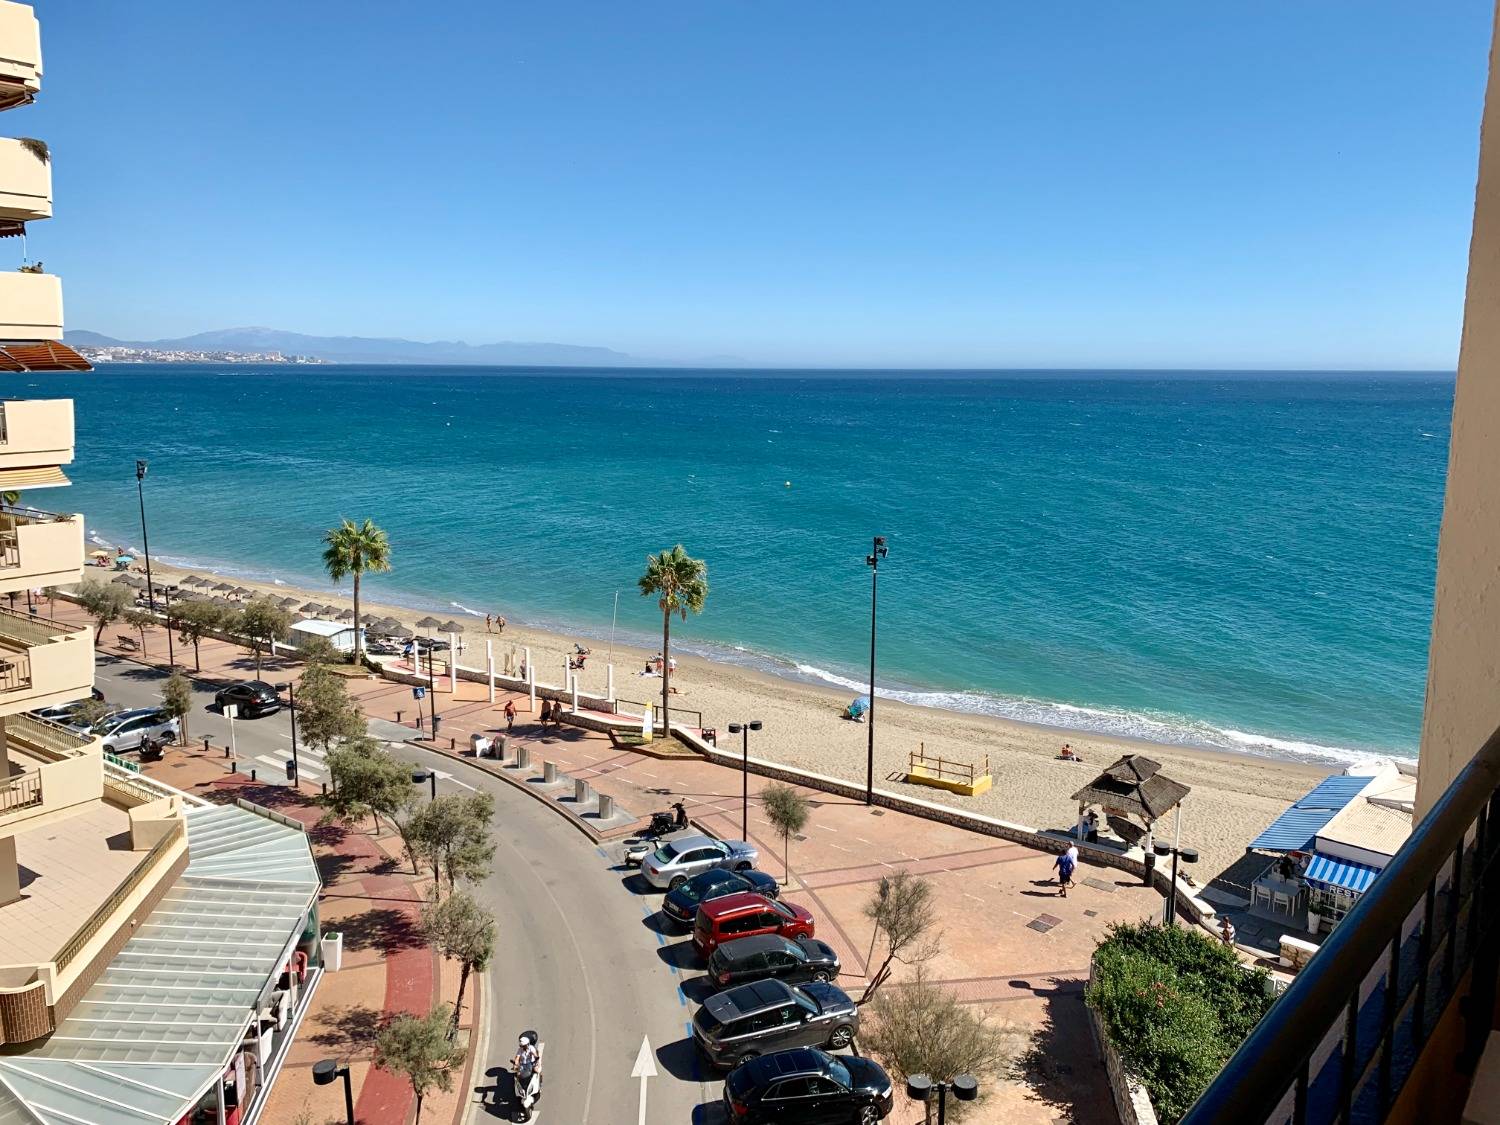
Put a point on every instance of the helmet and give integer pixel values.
(526, 1041)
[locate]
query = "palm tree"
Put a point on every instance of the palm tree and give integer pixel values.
(679, 583)
(352, 549)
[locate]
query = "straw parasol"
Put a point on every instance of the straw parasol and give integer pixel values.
(130, 580)
(288, 603)
(1133, 786)
(191, 580)
(313, 607)
(450, 627)
(221, 587)
(399, 630)
(346, 615)
(429, 623)
(221, 600)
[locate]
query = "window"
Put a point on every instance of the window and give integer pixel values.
(817, 1085)
(769, 919)
(741, 925)
(780, 959)
(782, 910)
(791, 1088)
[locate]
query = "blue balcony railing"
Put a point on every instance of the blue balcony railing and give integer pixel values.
(1342, 1041)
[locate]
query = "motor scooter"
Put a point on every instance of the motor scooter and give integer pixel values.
(639, 847)
(527, 1078)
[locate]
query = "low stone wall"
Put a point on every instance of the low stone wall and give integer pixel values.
(1132, 1102)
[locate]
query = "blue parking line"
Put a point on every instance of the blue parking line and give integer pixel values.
(673, 968)
(602, 852)
(681, 997)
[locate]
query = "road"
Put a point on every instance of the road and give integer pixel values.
(580, 957)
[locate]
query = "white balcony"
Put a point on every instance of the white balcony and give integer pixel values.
(25, 182)
(42, 663)
(20, 54)
(39, 549)
(36, 433)
(30, 306)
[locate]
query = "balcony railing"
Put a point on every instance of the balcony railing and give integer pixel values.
(13, 519)
(155, 858)
(1341, 1042)
(21, 792)
(15, 671)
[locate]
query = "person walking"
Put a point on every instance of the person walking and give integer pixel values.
(1226, 931)
(488, 623)
(1065, 865)
(499, 624)
(510, 715)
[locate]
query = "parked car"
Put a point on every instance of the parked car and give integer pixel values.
(770, 1015)
(677, 861)
(253, 698)
(805, 1084)
(124, 730)
(744, 915)
(681, 903)
(793, 960)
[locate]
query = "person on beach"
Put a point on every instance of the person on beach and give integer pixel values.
(499, 623)
(1065, 864)
(510, 715)
(1226, 932)
(488, 623)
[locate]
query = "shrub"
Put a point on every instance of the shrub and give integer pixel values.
(1176, 1004)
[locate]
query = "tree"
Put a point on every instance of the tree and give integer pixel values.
(138, 619)
(367, 781)
(787, 809)
(325, 713)
(421, 1049)
(264, 622)
(177, 700)
(921, 1028)
(679, 584)
(87, 712)
(452, 834)
(462, 930)
(901, 909)
(193, 621)
(105, 602)
(350, 550)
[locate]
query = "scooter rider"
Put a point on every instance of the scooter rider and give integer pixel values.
(526, 1057)
(679, 818)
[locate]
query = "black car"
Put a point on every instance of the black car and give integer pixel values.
(793, 960)
(807, 1085)
(252, 698)
(681, 903)
(771, 1015)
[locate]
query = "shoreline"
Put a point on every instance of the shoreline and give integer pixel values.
(1234, 794)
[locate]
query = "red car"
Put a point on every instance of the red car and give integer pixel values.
(744, 914)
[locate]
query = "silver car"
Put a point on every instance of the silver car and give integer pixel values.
(677, 861)
(125, 730)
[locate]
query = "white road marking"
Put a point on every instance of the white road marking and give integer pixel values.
(644, 1068)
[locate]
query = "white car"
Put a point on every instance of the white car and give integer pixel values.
(677, 861)
(124, 730)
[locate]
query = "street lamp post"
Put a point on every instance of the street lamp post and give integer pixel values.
(327, 1072)
(878, 551)
(432, 688)
(745, 729)
(140, 491)
(419, 776)
(166, 606)
(1189, 855)
(919, 1087)
(291, 708)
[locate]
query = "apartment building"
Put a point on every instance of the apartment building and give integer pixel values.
(156, 951)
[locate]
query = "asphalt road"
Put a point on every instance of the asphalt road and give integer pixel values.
(580, 959)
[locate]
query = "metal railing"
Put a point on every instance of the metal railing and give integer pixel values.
(945, 769)
(35, 733)
(15, 670)
(154, 859)
(24, 629)
(1340, 1043)
(679, 716)
(21, 792)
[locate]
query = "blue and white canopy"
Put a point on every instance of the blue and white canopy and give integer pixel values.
(1342, 874)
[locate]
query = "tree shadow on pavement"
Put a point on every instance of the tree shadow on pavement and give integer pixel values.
(348, 1030)
(1061, 1068)
(381, 928)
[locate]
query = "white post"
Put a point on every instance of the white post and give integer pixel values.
(489, 664)
(530, 677)
(452, 663)
(1177, 827)
(1079, 830)
(609, 682)
(573, 683)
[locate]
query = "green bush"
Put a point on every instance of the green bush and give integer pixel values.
(1176, 1004)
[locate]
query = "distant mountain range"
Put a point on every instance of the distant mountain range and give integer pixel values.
(371, 349)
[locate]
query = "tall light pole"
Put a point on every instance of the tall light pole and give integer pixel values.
(328, 1071)
(140, 491)
(1189, 855)
(295, 777)
(878, 551)
(919, 1087)
(166, 605)
(432, 686)
(745, 729)
(419, 775)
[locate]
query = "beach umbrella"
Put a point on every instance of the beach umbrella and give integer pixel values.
(192, 580)
(242, 592)
(312, 607)
(221, 587)
(389, 622)
(288, 603)
(100, 554)
(399, 630)
(428, 623)
(221, 600)
(450, 627)
(130, 580)
(369, 619)
(346, 615)
(124, 560)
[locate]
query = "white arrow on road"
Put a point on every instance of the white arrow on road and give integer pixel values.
(645, 1067)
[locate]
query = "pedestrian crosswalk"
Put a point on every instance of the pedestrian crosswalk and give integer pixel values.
(313, 767)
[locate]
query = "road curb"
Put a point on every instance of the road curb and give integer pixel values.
(479, 1046)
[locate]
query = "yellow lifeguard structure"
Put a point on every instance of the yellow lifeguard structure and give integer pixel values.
(967, 778)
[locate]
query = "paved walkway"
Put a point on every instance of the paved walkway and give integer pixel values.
(1009, 944)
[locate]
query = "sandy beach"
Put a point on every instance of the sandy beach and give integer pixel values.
(1233, 796)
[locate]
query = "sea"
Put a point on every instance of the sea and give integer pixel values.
(1237, 561)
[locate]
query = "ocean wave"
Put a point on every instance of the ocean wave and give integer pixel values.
(464, 609)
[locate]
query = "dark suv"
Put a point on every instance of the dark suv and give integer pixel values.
(771, 1015)
(793, 960)
(252, 698)
(681, 903)
(807, 1085)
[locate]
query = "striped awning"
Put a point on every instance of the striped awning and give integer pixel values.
(49, 476)
(1342, 873)
(45, 355)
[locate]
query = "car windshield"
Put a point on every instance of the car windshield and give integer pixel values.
(839, 1073)
(785, 913)
(665, 854)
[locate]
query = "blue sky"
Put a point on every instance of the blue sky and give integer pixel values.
(967, 183)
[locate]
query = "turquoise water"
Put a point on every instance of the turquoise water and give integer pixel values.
(1233, 561)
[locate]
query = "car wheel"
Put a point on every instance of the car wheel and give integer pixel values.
(108, 749)
(677, 881)
(869, 1115)
(842, 1036)
(821, 976)
(742, 867)
(746, 1057)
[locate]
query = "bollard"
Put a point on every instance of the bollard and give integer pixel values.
(580, 791)
(205, 746)
(523, 757)
(252, 773)
(226, 751)
(501, 744)
(398, 716)
(325, 788)
(234, 767)
(549, 772)
(452, 744)
(606, 806)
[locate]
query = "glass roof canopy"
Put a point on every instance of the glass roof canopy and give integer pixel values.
(164, 1019)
